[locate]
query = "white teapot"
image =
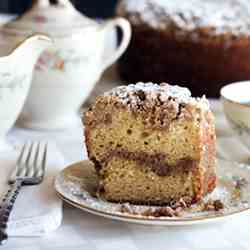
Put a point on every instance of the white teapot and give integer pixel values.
(67, 72)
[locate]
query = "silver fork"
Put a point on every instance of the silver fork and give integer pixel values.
(29, 170)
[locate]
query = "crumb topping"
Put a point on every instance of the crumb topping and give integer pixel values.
(157, 104)
(134, 94)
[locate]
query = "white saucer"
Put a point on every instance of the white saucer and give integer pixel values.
(77, 183)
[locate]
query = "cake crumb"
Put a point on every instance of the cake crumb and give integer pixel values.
(174, 209)
(240, 183)
(164, 212)
(126, 208)
(213, 205)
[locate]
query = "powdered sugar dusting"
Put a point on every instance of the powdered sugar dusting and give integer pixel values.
(221, 16)
(128, 94)
(152, 89)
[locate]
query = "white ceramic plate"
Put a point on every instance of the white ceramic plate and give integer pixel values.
(77, 184)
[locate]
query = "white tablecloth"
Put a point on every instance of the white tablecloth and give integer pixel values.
(81, 230)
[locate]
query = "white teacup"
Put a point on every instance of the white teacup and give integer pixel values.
(236, 103)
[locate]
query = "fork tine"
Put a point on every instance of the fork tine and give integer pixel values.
(19, 164)
(27, 162)
(19, 161)
(41, 167)
(22, 167)
(37, 155)
(36, 160)
(30, 160)
(45, 158)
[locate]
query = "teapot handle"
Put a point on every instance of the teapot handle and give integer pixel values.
(45, 3)
(125, 27)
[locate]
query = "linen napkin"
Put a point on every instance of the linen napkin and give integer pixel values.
(37, 210)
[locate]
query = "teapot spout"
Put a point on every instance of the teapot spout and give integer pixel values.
(30, 49)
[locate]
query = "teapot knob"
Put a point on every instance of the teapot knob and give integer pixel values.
(46, 3)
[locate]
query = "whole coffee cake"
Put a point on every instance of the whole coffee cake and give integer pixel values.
(151, 144)
(199, 44)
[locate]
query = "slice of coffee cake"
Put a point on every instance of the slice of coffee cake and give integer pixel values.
(151, 144)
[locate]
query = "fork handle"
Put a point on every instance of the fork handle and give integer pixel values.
(6, 207)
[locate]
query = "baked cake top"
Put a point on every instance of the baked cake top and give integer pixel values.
(157, 104)
(216, 16)
(134, 94)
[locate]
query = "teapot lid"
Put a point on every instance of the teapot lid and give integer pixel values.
(59, 18)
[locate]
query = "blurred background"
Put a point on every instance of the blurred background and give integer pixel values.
(92, 8)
